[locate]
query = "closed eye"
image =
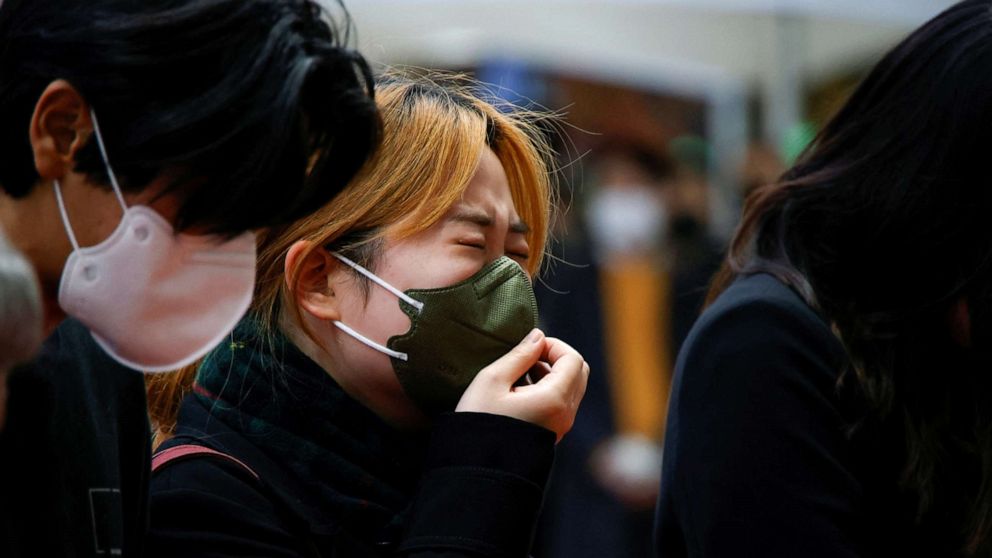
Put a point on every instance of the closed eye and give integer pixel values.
(517, 247)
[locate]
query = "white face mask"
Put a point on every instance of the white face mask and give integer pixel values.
(153, 299)
(625, 220)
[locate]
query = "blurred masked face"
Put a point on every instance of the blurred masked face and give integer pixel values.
(480, 228)
(627, 214)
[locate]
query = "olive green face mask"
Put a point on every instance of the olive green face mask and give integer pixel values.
(455, 331)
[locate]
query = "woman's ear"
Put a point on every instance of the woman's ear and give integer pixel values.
(59, 128)
(308, 277)
(959, 320)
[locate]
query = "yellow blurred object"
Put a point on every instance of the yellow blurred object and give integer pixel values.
(636, 310)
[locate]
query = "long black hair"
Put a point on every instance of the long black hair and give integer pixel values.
(885, 227)
(256, 108)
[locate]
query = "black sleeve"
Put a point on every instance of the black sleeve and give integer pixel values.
(482, 488)
(207, 508)
(756, 457)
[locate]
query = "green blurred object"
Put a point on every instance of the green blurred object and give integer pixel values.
(692, 151)
(796, 139)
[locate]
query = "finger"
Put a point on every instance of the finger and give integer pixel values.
(569, 375)
(539, 371)
(554, 351)
(534, 375)
(565, 378)
(514, 364)
(555, 348)
(584, 382)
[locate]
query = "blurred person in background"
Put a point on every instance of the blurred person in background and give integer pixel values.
(611, 296)
(142, 144)
(324, 426)
(20, 315)
(628, 216)
(693, 253)
(835, 398)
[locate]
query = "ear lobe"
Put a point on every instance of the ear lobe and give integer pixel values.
(59, 128)
(308, 279)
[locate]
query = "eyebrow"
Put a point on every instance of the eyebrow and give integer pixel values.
(482, 219)
(519, 226)
(472, 216)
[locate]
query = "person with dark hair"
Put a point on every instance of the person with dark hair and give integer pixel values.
(835, 397)
(143, 143)
(222, 116)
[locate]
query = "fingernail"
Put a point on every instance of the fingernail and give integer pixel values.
(535, 335)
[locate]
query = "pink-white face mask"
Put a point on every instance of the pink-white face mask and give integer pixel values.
(153, 299)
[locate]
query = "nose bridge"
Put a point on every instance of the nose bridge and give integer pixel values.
(493, 277)
(498, 235)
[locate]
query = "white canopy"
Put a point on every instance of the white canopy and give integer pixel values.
(732, 39)
(715, 50)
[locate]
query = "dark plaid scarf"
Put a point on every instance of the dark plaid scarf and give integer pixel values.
(358, 471)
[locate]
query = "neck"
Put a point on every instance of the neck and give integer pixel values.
(32, 226)
(381, 400)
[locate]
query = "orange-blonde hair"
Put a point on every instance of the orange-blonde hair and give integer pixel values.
(435, 129)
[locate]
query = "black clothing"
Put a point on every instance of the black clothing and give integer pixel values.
(761, 457)
(75, 453)
(288, 407)
(335, 479)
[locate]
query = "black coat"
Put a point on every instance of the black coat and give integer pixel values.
(760, 455)
(75, 453)
(478, 495)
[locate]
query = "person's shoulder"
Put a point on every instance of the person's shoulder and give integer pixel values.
(760, 328)
(205, 476)
(764, 308)
(208, 506)
(759, 290)
(209, 494)
(71, 334)
(71, 349)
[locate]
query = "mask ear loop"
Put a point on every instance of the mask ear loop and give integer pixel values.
(65, 215)
(398, 293)
(110, 172)
(368, 342)
(106, 160)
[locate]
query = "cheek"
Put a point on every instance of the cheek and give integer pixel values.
(379, 319)
(382, 317)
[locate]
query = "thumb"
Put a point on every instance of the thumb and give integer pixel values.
(514, 364)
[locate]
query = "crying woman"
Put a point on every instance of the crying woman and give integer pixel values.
(388, 393)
